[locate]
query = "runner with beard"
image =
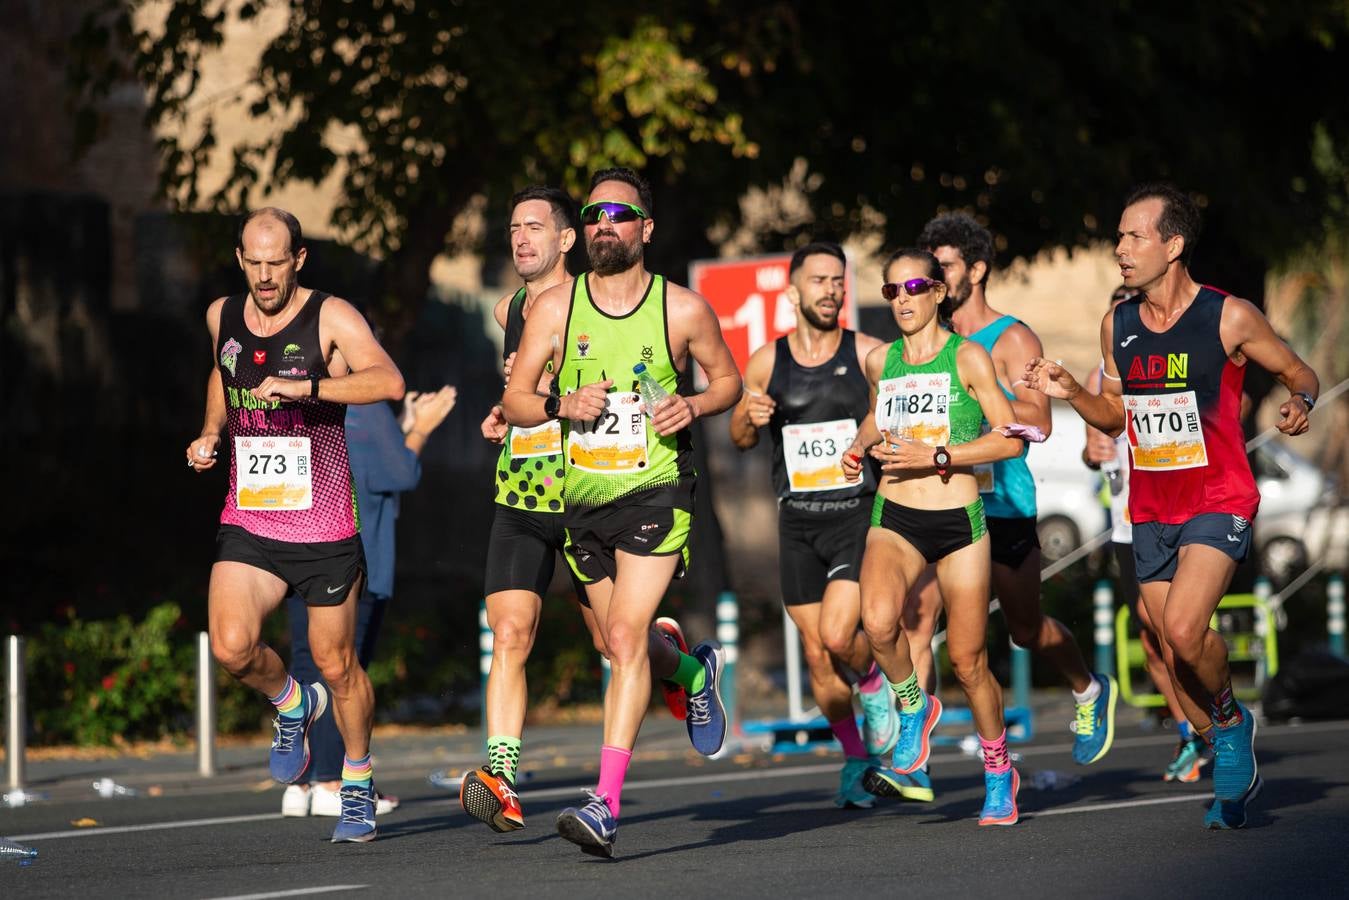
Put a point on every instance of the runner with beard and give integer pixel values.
(628, 495)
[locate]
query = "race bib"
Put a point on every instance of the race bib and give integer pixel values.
(541, 440)
(916, 407)
(613, 444)
(1164, 431)
(813, 453)
(272, 473)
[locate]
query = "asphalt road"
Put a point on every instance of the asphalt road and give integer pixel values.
(753, 825)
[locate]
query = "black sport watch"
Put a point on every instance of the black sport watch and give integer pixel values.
(551, 404)
(941, 460)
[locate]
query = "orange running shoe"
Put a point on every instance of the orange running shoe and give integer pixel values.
(675, 696)
(491, 799)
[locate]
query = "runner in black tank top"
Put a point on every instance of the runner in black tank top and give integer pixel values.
(809, 388)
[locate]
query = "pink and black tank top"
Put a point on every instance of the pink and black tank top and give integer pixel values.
(1182, 415)
(290, 479)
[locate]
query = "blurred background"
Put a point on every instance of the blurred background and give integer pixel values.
(397, 130)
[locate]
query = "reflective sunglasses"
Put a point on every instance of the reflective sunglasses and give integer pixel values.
(616, 211)
(913, 287)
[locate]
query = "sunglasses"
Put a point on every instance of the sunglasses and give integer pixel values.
(616, 211)
(913, 287)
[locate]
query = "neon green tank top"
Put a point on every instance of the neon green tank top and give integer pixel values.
(927, 402)
(529, 472)
(619, 454)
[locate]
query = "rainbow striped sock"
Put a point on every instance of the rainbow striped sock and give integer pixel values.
(357, 771)
(290, 702)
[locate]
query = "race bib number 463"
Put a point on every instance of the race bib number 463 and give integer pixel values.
(1164, 431)
(916, 407)
(612, 444)
(813, 454)
(272, 473)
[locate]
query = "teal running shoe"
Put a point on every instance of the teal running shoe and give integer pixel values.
(915, 734)
(1095, 723)
(886, 782)
(1192, 754)
(1000, 790)
(592, 827)
(851, 793)
(880, 722)
(357, 821)
(1236, 775)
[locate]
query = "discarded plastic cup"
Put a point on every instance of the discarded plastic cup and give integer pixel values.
(20, 797)
(106, 787)
(441, 778)
(14, 850)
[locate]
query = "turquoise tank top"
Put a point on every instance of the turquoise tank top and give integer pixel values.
(1013, 494)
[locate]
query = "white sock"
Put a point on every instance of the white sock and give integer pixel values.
(1091, 693)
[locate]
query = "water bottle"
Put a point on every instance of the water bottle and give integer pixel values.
(15, 850)
(649, 388)
(1113, 476)
(106, 787)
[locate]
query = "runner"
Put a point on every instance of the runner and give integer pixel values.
(810, 390)
(527, 527)
(930, 392)
(286, 361)
(1173, 362)
(630, 478)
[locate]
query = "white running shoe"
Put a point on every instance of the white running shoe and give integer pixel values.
(295, 801)
(329, 803)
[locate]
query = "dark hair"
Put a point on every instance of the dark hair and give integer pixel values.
(292, 225)
(815, 248)
(934, 269)
(1180, 214)
(962, 231)
(627, 176)
(564, 208)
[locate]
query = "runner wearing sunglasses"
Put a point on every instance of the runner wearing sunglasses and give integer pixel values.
(1174, 359)
(809, 389)
(931, 390)
(629, 488)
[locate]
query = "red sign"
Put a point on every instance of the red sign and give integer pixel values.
(750, 298)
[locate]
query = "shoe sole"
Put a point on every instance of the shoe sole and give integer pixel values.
(1222, 824)
(480, 802)
(876, 783)
(572, 828)
(1113, 689)
(1015, 814)
(320, 705)
(357, 839)
(934, 711)
(676, 698)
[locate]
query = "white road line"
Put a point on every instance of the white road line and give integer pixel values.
(1123, 804)
(152, 826)
(297, 892)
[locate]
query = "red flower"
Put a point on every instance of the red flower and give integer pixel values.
(69, 667)
(109, 681)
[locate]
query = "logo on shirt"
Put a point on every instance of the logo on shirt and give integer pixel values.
(841, 370)
(229, 354)
(259, 357)
(647, 355)
(292, 353)
(1156, 370)
(292, 372)
(1129, 340)
(583, 345)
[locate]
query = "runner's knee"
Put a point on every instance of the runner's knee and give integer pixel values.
(626, 642)
(970, 668)
(513, 634)
(234, 648)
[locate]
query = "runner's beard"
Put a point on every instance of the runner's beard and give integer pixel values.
(957, 294)
(611, 256)
(817, 321)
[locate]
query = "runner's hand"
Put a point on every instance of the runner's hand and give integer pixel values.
(586, 403)
(896, 454)
(274, 388)
(852, 463)
(494, 426)
(407, 419)
(671, 414)
(760, 408)
(1294, 412)
(201, 453)
(1049, 377)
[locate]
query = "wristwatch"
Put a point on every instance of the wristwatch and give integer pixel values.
(1307, 399)
(941, 460)
(314, 387)
(551, 404)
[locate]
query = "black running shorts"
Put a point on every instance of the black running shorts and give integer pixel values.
(595, 534)
(1157, 546)
(522, 551)
(321, 573)
(815, 550)
(935, 533)
(1012, 540)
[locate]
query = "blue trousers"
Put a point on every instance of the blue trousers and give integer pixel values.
(326, 748)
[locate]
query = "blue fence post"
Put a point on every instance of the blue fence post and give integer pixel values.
(728, 634)
(1021, 677)
(485, 643)
(1335, 615)
(1103, 620)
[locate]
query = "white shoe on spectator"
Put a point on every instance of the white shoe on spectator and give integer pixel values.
(327, 802)
(295, 801)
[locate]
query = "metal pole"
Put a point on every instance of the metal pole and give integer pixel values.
(1103, 618)
(791, 645)
(1335, 615)
(205, 706)
(15, 736)
(1020, 676)
(728, 634)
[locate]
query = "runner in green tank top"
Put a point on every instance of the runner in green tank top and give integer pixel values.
(930, 391)
(629, 483)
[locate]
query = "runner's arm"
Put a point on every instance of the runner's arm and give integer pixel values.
(755, 406)
(201, 453)
(1018, 346)
(868, 435)
(522, 403)
(1246, 330)
(708, 348)
(975, 368)
(1104, 411)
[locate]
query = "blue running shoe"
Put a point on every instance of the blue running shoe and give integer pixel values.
(1236, 776)
(592, 827)
(1095, 723)
(706, 716)
(290, 746)
(1226, 814)
(357, 822)
(1191, 756)
(915, 732)
(886, 782)
(1000, 790)
(880, 722)
(851, 793)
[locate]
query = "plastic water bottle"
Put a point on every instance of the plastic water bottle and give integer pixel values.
(649, 388)
(1113, 476)
(14, 850)
(106, 787)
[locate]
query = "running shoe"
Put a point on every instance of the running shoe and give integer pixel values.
(1236, 776)
(357, 822)
(707, 717)
(290, 745)
(491, 799)
(295, 800)
(884, 781)
(880, 722)
(592, 827)
(1000, 790)
(327, 802)
(915, 732)
(675, 697)
(1095, 723)
(1192, 754)
(851, 794)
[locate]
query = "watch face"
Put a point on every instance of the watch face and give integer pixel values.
(942, 458)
